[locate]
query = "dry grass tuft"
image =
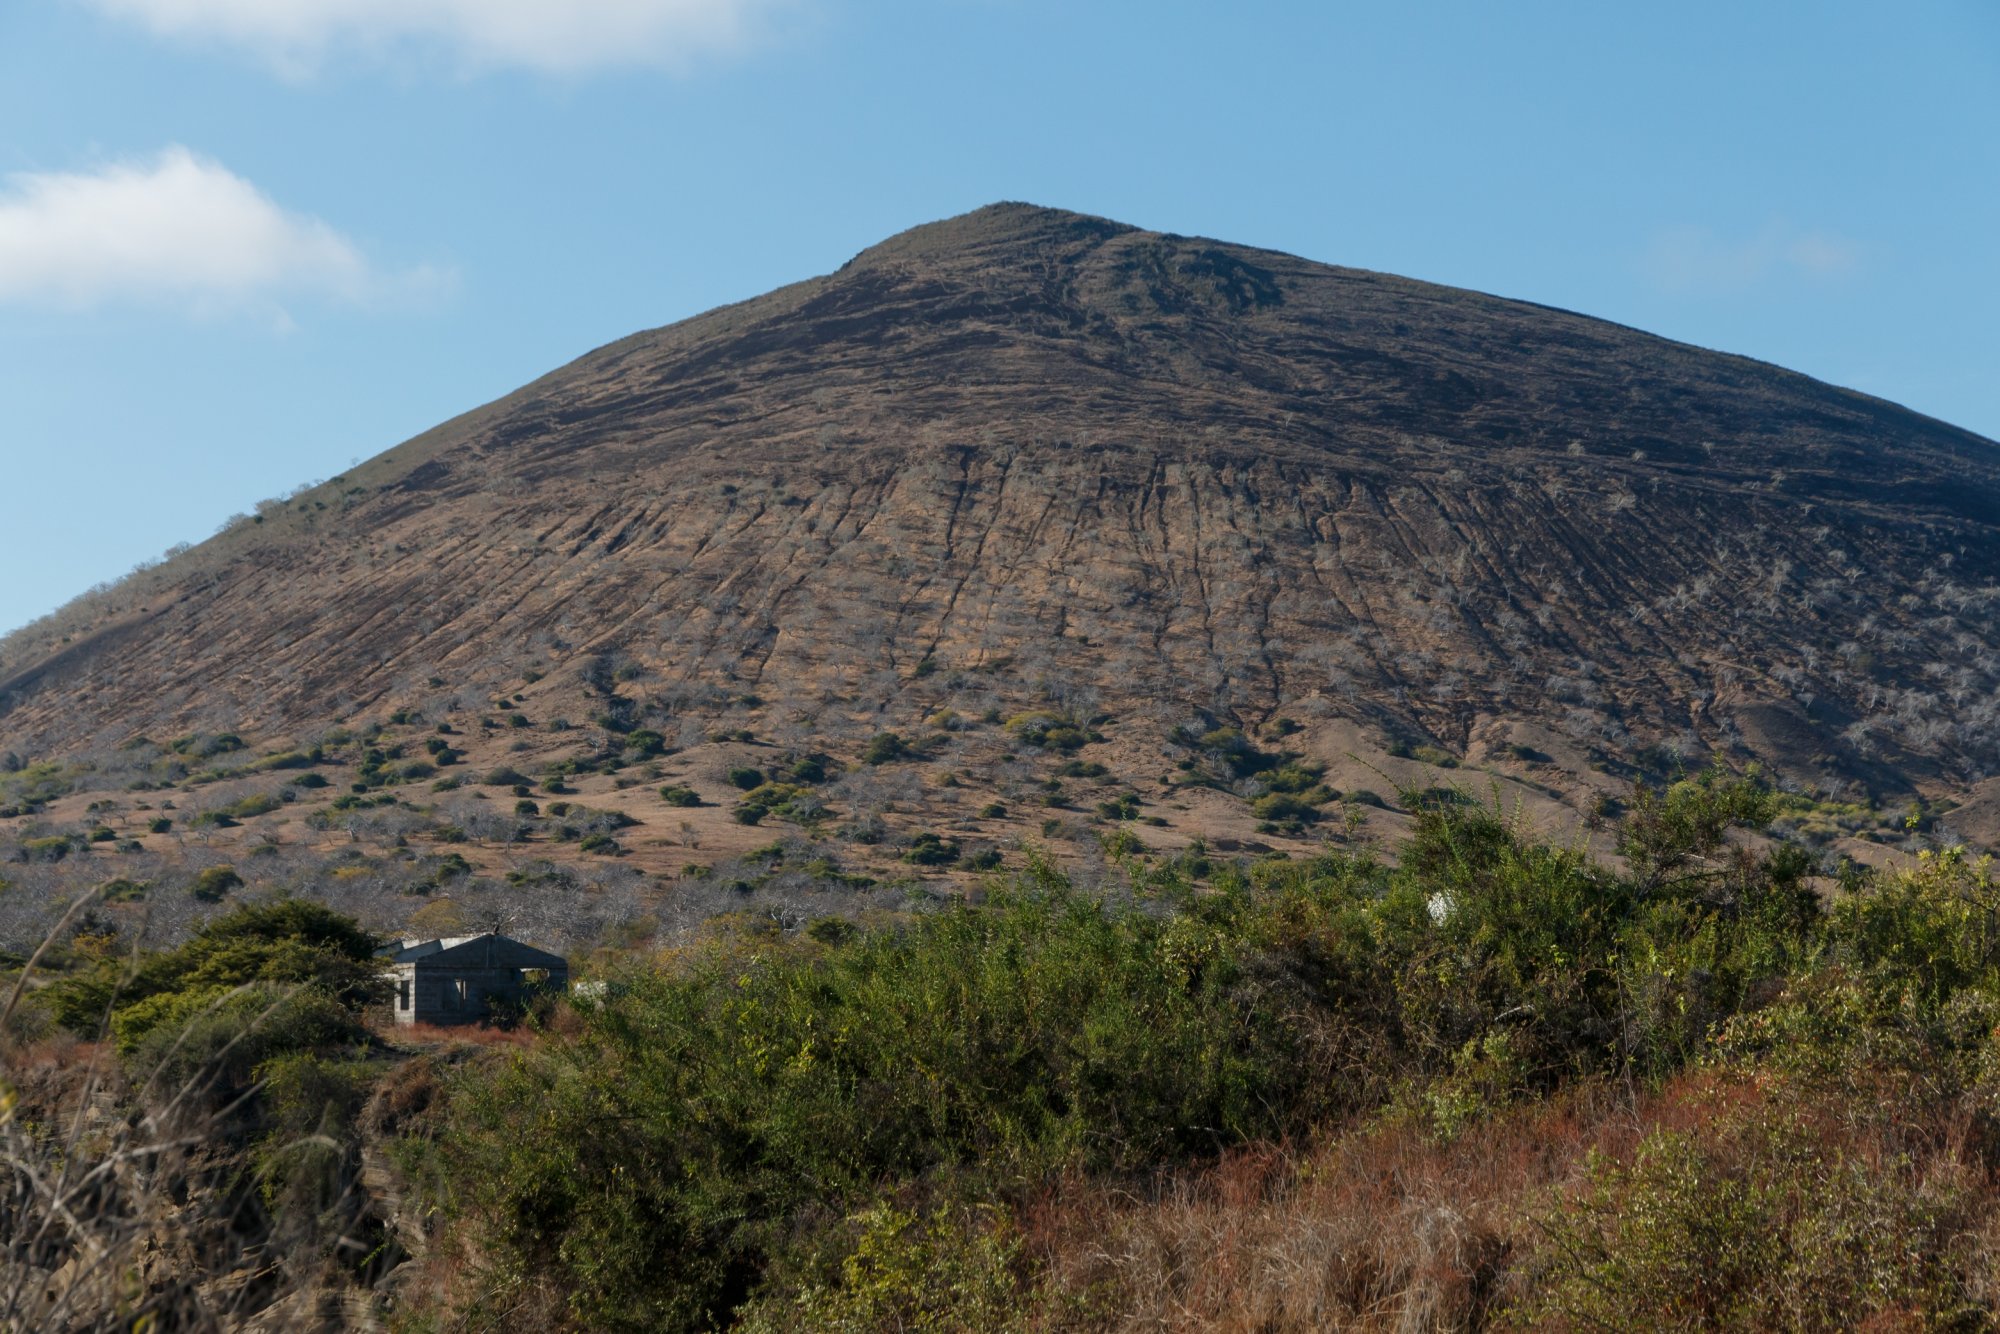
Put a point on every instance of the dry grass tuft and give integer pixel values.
(1387, 1227)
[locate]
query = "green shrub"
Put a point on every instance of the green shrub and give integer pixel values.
(833, 931)
(1230, 752)
(1081, 769)
(1924, 936)
(737, 1105)
(206, 747)
(214, 882)
(38, 784)
(807, 769)
(952, 1269)
(249, 808)
(1283, 806)
(1046, 729)
(787, 801)
(1667, 835)
(310, 1102)
(288, 943)
(1295, 777)
(884, 747)
(645, 744)
(1751, 1223)
(47, 849)
(1438, 797)
(745, 778)
(675, 795)
(1123, 807)
(1121, 843)
(218, 1037)
(931, 850)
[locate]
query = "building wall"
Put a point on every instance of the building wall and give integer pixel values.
(446, 995)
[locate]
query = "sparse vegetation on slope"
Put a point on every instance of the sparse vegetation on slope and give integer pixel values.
(1348, 495)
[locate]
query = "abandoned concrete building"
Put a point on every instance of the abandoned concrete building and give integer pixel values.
(462, 979)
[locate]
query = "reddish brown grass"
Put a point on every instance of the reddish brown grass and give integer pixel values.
(1385, 1226)
(439, 1035)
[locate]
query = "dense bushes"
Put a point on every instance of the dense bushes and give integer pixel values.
(271, 949)
(884, 748)
(211, 1170)
(1838, 1167)
(213, 883)
(1047, 729)
(788, 801)
(1041, 1031)
(928, 849)
(1926, 936)
(807, 1133)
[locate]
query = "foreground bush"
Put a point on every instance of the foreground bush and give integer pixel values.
(1690, 1092)
(225, 1193)
(280, 945)
(651, 1166)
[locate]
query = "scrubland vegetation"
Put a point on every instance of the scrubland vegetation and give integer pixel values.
(1495, 1084)
(889, 763)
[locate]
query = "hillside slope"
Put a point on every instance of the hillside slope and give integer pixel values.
(1063, 457)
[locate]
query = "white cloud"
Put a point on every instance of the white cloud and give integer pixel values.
(178, 230)
(1695, 259)
(561, 36)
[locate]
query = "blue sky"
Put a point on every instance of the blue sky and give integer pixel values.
(243, 242)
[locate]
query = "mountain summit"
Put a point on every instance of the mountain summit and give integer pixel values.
(1026, 456)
